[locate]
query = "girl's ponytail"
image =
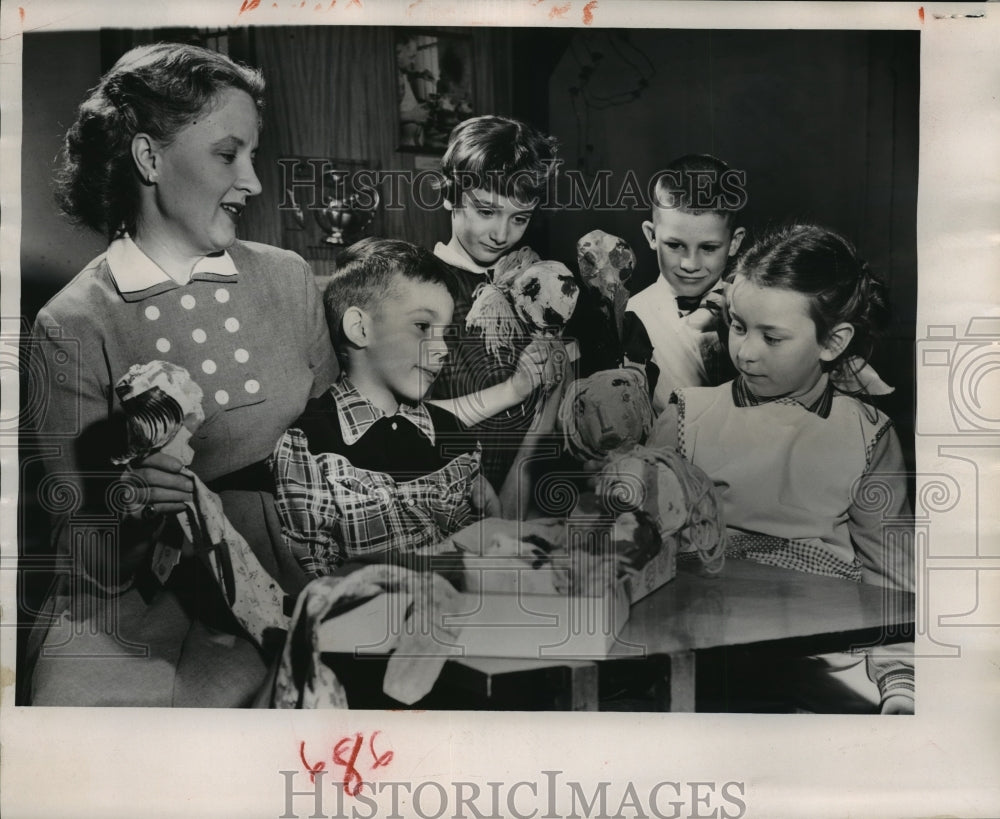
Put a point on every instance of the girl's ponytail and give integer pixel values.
(867, 310)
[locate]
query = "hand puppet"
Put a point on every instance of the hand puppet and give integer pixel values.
(162, 406)
(654, 494)
(606, 264)
(527, 296)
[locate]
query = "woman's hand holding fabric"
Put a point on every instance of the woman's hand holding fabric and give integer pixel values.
(163, 488)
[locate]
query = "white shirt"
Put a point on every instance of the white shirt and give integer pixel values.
(676, 345)
(133, 270)
(453, 257)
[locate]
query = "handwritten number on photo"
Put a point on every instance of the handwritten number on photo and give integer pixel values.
(345, 753)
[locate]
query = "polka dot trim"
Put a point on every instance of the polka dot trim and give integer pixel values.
(163, 345)
(242, 356)
(152, 312)
(222, 397)
(199, 336)
(188, 302)
(208, 366)
(222, 295)
(232, 325)
(252, 386)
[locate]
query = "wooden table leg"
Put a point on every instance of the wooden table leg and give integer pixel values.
(675, 690)
(583, 687)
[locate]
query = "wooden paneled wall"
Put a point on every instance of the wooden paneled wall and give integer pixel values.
(332, 93)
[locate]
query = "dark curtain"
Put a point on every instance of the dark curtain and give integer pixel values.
(332, 92)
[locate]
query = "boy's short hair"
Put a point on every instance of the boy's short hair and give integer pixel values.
(701, 183)
(500, 155)
(365, 277)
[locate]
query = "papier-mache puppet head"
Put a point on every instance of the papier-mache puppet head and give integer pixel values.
(607, 411)
(527, 295)
(162, 408)
(606, 264)
(544, 296)
(606, 419)
(672, 491)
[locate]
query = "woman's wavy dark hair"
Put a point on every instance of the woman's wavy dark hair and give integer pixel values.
(825, 267)
(153, 89)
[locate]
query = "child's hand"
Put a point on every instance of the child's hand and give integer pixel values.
(483, 499)
(898, 704)
(541, 365)
(717, 301)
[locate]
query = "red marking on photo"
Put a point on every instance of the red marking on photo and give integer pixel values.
(385, 758)
(352, 779)
(559, 11)
(249, 5)
(346, 753)
(312, 769)
(920, 12)
(588, 12)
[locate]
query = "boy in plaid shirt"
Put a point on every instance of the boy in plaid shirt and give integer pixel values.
(369, 469)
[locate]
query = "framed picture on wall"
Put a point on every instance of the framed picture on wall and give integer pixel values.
(435, 87)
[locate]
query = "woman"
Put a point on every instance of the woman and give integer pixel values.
(160, 159)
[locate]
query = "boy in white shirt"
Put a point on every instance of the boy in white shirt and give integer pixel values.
(672, 327)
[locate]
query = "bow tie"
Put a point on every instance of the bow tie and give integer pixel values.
(686, 304)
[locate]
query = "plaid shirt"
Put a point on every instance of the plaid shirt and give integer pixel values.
(357, 414)
(331, 511)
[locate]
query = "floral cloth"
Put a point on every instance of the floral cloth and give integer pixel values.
(420, 644)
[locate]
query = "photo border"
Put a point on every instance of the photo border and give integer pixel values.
(161, 762)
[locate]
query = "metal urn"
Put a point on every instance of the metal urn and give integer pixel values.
(348, 209)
